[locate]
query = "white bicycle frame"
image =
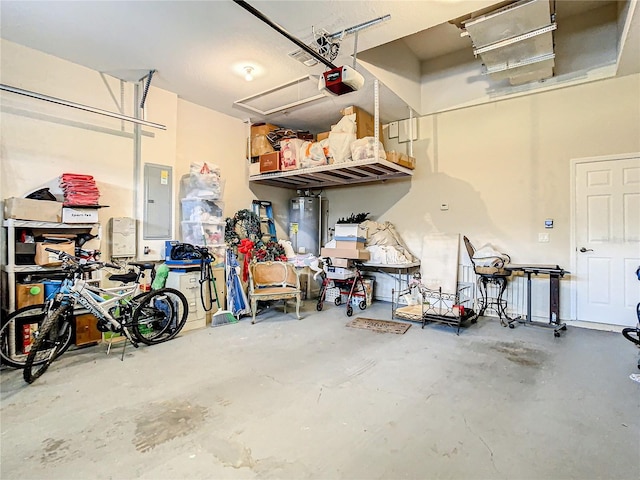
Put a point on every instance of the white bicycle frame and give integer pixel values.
(91, 298)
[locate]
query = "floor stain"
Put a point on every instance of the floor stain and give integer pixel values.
(53, 450)
(231, 453)
(165, 421)
(519, 354)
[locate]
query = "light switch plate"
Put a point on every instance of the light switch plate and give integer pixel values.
(543, 237)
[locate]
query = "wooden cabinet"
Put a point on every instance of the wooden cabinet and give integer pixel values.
(86, 331)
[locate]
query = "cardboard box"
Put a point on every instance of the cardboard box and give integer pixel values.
(345, 253)
(29, 294)
(79, 215)
(401, 159)
(260, 145)
(342, 262)
(50, 259)
(270, 162)
(29, 209)
(349, 230)
(254, 169)
(350, 244)
(365, 125)
(28, 336)
(262, 129)
(322, 136)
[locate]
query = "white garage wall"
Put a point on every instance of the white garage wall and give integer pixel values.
(40, 140)
(503, 168)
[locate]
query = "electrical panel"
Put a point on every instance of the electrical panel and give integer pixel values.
(122, 237)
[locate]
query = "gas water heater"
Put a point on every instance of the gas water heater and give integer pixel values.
(305, 224)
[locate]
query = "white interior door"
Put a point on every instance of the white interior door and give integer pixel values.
(608, 240)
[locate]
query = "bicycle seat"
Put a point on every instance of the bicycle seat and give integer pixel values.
(143, 265)
(128, 277)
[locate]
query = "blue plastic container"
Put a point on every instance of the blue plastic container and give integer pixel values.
(50, 288)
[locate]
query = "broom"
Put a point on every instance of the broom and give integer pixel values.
(221, 317)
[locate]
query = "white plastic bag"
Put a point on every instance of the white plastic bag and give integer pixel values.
(312, 155)
(343, 134)
(203, 181)
(364, 148)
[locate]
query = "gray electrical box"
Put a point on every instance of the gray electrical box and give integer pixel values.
(158, 197)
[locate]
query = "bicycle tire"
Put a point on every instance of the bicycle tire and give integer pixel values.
(632, 334)
(45, 344)
(160, 316)
(12, 329)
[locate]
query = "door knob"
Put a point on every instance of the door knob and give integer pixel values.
(583, 250)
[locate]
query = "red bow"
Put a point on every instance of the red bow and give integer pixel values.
(246, 247)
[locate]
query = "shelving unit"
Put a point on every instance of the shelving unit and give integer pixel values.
(341, 174)
(10, 270)
(336, 175)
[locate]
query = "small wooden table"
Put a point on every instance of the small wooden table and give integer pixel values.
(555, 272)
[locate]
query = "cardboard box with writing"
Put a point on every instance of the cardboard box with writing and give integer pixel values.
(79, 215)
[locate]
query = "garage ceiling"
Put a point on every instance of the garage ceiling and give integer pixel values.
(200, 48)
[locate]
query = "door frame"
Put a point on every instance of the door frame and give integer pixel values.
(573, 255)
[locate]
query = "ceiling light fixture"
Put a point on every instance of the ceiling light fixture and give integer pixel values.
(248, 73)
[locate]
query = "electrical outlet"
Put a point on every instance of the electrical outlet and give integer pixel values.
(444, 206)
(543, 238)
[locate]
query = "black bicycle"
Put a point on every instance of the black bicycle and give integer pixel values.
(633, 333)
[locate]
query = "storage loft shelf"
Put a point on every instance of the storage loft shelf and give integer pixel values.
(46, 225)
(336, 175)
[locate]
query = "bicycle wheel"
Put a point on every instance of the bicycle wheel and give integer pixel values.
(48, 343)
(16, 340)
(632, 334)
(160, 316)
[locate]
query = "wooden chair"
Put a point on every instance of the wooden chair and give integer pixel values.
(273, 281)
(491, 272)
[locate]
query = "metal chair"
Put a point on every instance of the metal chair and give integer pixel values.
(273, 281)
(490, 272)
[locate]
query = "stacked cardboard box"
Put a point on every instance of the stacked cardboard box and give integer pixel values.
(350, 240)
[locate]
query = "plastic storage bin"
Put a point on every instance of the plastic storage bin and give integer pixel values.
(201, 210)
(203, 233)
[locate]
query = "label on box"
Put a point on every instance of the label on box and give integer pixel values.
(79, 215)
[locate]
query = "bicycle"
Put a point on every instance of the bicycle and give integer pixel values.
(633, 333)
(22, 325)
(148, 318)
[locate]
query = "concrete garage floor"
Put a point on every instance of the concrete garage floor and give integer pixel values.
(314, 399)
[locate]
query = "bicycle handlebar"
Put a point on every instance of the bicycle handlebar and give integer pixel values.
(64, 255)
